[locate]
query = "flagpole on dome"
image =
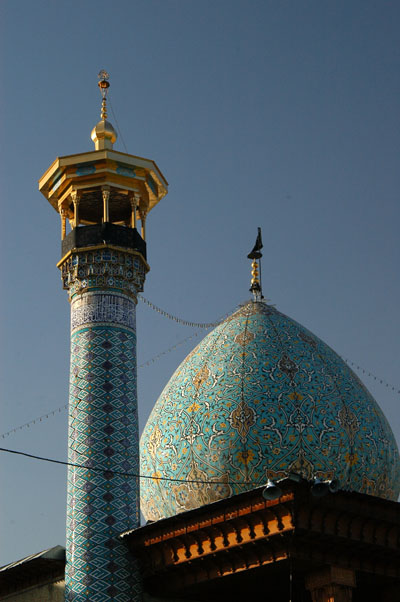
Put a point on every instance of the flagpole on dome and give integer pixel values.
(255, 254)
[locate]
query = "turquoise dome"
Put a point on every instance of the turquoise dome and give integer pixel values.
(259, 397)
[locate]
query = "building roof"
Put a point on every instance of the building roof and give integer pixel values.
(260, 397)
(37, 568)
(239, 547)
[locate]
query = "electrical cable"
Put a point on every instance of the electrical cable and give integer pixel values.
(126, 474)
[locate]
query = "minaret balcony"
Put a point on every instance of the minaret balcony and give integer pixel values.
(103, 234)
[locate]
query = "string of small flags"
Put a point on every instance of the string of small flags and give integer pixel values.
(34, 421)
(180, 320)
(368, 373)
(213, 325)
(159, 355)
(65, 407)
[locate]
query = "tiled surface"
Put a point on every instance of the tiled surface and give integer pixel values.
(103, 437)
(258, 397)
(103, 269)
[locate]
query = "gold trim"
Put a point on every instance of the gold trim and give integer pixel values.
(91, 156)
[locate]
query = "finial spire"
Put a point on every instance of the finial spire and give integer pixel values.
(256, 255)
(103, 134)
(103, 84)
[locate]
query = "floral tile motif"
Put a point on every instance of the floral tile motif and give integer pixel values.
(261, 396)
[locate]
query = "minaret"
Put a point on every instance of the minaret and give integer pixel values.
(102, 194)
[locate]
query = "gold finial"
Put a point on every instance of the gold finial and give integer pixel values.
(255, 254)
(103, 84)
(255, 279)
(255, 286)
(103, 134)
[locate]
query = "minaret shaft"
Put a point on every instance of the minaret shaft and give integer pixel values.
(103, 449)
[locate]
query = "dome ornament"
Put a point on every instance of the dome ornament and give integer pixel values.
(103, 84)
(103, 134)
(255, 254)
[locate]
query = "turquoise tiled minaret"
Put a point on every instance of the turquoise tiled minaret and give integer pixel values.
(102, 193)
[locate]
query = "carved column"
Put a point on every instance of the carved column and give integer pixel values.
(106, 197)
(134, 200)
(333, 584)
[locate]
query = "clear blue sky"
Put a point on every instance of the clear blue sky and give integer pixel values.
(277, 114)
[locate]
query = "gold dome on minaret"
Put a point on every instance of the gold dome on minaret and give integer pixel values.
(103, 134)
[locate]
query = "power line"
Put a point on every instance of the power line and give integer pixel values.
(126, 474)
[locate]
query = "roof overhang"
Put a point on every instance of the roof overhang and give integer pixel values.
(102, 168)
(239, 543)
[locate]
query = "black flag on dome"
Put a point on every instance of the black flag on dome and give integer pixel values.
(255, 252)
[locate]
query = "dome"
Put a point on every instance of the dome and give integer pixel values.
(259, 397)
(103, 135)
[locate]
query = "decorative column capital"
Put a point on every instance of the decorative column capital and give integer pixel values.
(75, 195)
(105, 191)
(143, 213)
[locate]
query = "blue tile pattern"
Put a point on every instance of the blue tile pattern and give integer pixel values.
(103, 269)
(258, 397)
(84, 169)
(102, 499)
(123, 170)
